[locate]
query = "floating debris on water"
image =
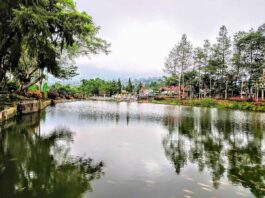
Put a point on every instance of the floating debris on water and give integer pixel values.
(241, 194)
(149, 181)
(207, 189)
(189, 178)
(204, 185)
(188, 191)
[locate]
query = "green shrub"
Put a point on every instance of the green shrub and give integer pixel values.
(53, 95)
(12, 86)
(207, 102)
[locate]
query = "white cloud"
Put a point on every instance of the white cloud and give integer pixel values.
(138, 48)
(143, 31)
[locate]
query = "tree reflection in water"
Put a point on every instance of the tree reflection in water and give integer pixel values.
(224, 142)
(34, 165)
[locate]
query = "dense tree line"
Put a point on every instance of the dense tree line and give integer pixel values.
(99, 87)
(93, 87)
(41, 37)
(229, 67)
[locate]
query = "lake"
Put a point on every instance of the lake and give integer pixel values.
(102, 149)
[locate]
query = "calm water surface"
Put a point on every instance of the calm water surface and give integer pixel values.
(130, 150)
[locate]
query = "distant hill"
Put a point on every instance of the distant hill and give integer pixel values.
(76, 80)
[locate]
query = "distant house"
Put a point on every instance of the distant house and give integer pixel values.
(146, 92)
(174, 90)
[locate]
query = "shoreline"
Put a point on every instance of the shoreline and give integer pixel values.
(212, 103)
(34, 106)
(204, 102)
(28, 107)
(111, 99)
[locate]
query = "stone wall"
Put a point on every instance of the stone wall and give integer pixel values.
(22, 108)
(8, 113)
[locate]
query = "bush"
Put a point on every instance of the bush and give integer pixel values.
(207, 102)
(12, 86)
(259, 108)
(159, 98)
(53, 95)
(247, 106)
(34, 94)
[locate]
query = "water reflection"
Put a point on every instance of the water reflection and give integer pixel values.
(226, 143)
(36, 165)
(150, 151)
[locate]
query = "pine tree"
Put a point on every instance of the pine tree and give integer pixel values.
(222, 56)
(129, 86)
(179, 60)
(139, 87)
(119, 86)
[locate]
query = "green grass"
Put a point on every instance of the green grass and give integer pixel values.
(209, 102)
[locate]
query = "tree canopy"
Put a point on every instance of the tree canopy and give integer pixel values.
(44, 36)
(225, 68)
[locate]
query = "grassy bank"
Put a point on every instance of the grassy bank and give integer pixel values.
(209, 102)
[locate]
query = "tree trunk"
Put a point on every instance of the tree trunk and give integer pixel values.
(251, 91)
(199, 83)
(179, 93)
(262, 94)
(32, 83)
(257, 91)
(241, 90)
(41, 80)
(257, 94)
(226, 83)
(183, 84)
(210, 93)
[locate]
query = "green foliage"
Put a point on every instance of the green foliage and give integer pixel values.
(64, 91)
(12, 86)
(209, 102)
(171, 81)
(44, 36)
(32, 88)
(206, 102)
(139, 87)
(99, 87)
(129, 87)
(221, 70)
(119, 86)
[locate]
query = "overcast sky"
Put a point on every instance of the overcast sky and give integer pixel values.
(143, 31)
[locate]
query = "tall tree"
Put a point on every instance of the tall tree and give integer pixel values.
(199, 58)
(50, 31)
(129, 87)
(252, 47)
(207, 56)
(119, 86)
(222, 56)
(179, 60)
(239, 69)
(139, 87)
